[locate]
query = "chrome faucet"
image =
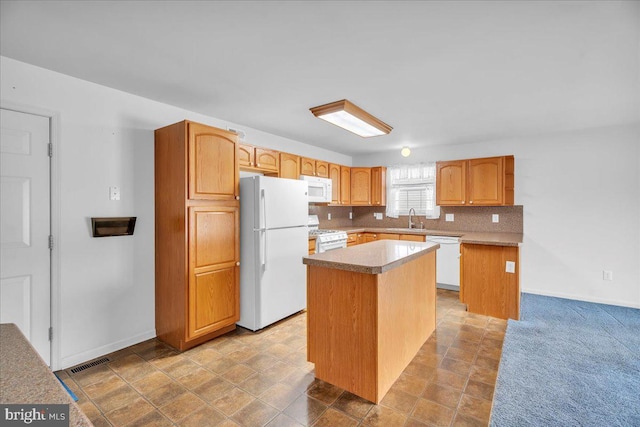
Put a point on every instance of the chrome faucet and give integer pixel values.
(411, 224)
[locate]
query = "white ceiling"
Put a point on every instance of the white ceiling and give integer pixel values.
(438, 72)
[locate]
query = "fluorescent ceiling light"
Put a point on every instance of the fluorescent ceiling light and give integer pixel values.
(352, 118)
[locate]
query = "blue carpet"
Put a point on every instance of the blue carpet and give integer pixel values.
(569, 363)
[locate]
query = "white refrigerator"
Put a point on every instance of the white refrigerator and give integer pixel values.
(273, 239)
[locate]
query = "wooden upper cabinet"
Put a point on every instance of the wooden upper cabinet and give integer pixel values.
(213, 163)
(487, 179)
(334, 175)
(313, 167)
(214, 255)
(322, 169)
(307, 166)
(267, 159)
(379, 186)
(258, 158)
(345, 185)
(360, 186)
(475, 182)
(451, 183)
(289, 166)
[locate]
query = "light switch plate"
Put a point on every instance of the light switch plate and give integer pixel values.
(378, 215)
(511, 267)
(350, 215)
(114, 193)
(495, 218)
(448, 217)
(607, 275)
(329, 216)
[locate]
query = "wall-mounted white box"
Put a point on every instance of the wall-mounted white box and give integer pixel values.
(495, 218)
(448, 217)
(378, 215)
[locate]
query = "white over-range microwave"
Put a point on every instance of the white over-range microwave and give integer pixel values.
(319, 188)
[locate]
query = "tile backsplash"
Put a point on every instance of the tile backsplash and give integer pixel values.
(466, 218)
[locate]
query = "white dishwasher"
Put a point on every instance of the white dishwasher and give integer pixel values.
(447, 262)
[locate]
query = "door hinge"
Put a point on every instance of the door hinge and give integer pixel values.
(50, 242)
(50, 149)
(50, 333)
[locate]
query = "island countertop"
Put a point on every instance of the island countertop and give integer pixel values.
(26, 379)
(372, 258)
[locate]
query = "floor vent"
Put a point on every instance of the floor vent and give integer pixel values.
(90, 365)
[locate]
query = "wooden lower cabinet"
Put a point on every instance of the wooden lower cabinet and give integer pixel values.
(413, 237)
(214, 277)
(352, 239)
(312, 246)
(485, 286)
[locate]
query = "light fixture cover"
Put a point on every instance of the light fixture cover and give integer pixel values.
(406, 151)
(352, 118)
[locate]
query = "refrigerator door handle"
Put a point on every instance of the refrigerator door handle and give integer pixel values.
(264, 215)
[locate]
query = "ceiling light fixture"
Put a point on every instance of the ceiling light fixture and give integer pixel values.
(352, 118)
(406, 151)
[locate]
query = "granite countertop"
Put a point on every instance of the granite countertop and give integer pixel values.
(484, 238)
(372, 258)
(25, 378)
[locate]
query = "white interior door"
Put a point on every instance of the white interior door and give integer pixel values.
(25, 284)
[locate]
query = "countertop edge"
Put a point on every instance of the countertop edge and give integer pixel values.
(497, 238)
(359, 268)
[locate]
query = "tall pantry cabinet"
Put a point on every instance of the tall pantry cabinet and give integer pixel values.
(197, 233)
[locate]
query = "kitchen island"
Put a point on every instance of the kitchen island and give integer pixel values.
(370, 308)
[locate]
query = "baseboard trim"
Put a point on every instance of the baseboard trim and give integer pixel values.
(76, 359)
(580, 298)
(448, 287)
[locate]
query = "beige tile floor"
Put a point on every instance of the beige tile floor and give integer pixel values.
(258, 379)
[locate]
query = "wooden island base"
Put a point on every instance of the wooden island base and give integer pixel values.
(364, 328)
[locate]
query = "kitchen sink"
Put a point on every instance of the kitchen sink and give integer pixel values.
(404, 229)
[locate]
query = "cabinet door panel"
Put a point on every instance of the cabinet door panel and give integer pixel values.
(379, 186)
(267, 159)
(213, 163)
(451, 180)
(213, 235)
(245, 155)
(486, 181)
(289, 166)
(307, 166)
(322, 169)
(485, 286)
(334, 175)
(345, 185)
(361, 186)
(213, 300)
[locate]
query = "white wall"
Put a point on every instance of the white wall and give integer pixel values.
(106, 138)
(581, 196)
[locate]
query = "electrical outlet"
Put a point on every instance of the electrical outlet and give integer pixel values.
(607, 275)
(378, 215)
(114, 193)
(510, 267)
(495, 218)
(350, 215)
(448, 217)
(329, 216)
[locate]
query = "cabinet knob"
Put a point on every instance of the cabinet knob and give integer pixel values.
(237, 197)
(238, 264)
(463, 202)
(258, 164)
(470, 201)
